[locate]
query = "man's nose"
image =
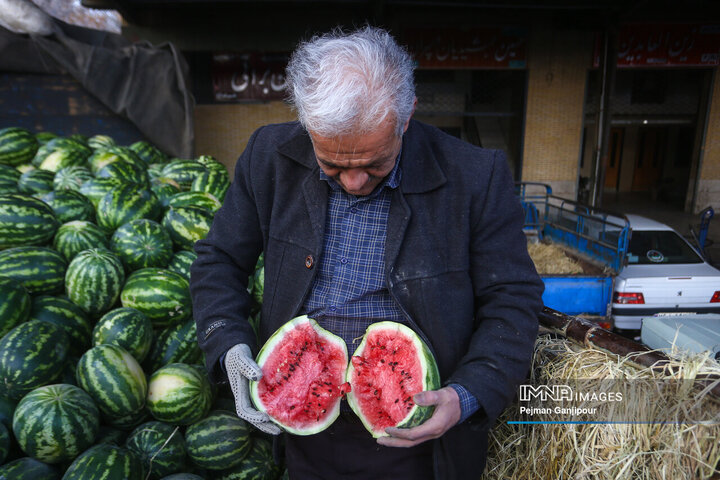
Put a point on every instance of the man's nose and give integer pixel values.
(353, 179)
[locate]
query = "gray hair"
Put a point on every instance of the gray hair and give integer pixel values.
(341, 83)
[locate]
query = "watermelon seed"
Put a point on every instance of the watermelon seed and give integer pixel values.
(397, 400)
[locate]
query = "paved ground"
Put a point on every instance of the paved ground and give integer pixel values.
(674, 216)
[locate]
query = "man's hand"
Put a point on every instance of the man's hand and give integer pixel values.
(446, 415)
(240, 367)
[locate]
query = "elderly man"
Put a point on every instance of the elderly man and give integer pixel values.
(366, 215)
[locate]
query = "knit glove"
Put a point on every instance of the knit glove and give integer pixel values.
(240, 367)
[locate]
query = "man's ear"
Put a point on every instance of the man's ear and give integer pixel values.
(407, 123)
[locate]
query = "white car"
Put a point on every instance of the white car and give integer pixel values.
(662, 273)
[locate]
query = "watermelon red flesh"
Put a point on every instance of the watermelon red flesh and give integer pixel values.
(303, 377)
(386, 377)
(391, 365)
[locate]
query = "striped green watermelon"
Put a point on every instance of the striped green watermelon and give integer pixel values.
(181, 262)
(164, 190)
(71, 178)
(107, 434)
(162, 295)
(127, 328)
(99, 142)
(40, 270)
(44, 137)
(27, 468)
(15, 306)
(8, 179)
(183, 171)
(126, 171)
(102, 158)
(94, 280)
(257, 465)
(160, 446)
(65, 314)
(25, 220)
(214, 182)
(114, 379)
(106, 462)
(195, 199)
(79, 137)
(55, 423)
(126, 203)
(17, 146)
(175, 344)
(211, 163)
(148, 152)
(76, 236)
(126, 422)
(61, 158)
(60, 143)
(7, 408)
(69, 205)
(31, 355)
(68, 372)
(4, 443)
(391, 365)
(182, 476)
(96, 188)
(179, 394)
(219, 441)
(187, 225)
(36, 182)
(142, 243)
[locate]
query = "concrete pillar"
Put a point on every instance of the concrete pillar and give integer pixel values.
(558, 62)
(708, 188)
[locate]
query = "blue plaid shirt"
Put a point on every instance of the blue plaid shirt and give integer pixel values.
(349, 292)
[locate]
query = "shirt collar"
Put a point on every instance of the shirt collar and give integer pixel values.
(392, 180)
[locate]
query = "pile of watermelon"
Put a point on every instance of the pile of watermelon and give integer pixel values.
(100, 371)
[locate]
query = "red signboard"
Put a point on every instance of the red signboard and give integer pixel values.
(483, 47)
(248, 76)
(653, 45)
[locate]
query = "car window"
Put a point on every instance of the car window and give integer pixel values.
(649, 247)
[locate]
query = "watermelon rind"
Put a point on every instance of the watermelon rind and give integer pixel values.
(179, 394)
(430, 377)
(106, 462)
(66, 315)
(4, 443)
(17, 146)
(259, 464)
(55, 423)
(30, 469)
(32, 354)
(69, 205)
(277, 339)
(160, 446)
(127, 328)
(15, 306)
(25, 220)
(94, 280)
(114, 379)
(40, 270)
(220, 440)
(76, 236)
(162, 295)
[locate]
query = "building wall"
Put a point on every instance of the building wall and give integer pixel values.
(708, 191)
(558, 61)
(224, 130)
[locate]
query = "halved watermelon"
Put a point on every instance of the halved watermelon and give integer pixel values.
(304, 368)
(391, 365)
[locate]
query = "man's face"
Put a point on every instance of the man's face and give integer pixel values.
(359, 163)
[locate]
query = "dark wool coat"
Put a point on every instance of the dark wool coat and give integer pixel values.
(456, 263)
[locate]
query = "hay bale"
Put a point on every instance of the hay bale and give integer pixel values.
(670, 444)
(551, 259)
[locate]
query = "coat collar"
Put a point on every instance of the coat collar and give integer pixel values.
(420, 169)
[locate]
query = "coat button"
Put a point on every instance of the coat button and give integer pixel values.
(309, 261)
